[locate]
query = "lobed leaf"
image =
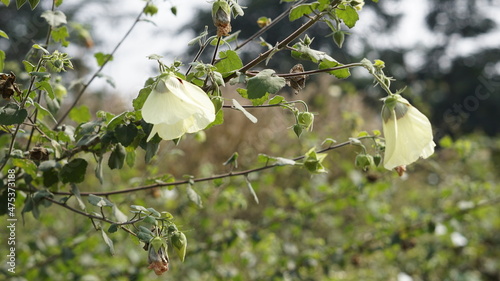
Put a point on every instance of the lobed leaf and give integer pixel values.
(54, 18)
(348, 15)
(74, 171)
(264, 82)
(11, 114)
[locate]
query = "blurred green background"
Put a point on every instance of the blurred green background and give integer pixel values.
(441, 221)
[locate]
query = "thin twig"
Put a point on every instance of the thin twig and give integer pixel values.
(267, 27)
(90, 216)
(221, 176)
(39, 97)
(309, 72)
(108, 58)
(280, 45)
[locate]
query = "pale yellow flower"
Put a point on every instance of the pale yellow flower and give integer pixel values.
(407, 132)
(176, 107)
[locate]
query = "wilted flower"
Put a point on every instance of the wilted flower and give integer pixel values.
(407, 132)
(157, 255)
(221, 15)
(176, 107)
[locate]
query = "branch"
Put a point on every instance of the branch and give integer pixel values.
(90, 216)
(280, 45)
(309, 72)
(267, 27)
(190, 181)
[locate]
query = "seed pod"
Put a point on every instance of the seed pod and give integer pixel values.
(8, 86)
(297, 82)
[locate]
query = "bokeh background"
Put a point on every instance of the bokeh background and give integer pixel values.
(440, 221)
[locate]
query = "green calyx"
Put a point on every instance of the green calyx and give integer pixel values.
(221, 11)
(394, 104)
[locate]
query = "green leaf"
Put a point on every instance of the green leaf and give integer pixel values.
(252, 191)
(60, 34)
(276, 100)
(141, 98)
(33, 3)
(98, 169)
(301, 10)
(126, 134)
(119, 215)
(6, 2)
(229, 62)
(44, 112)
(50, 177)
(45, 85)
(11, 114)
(108, 242)
(38, 47)
(28, 166)
(151, 150)
(20, 3)
(115, 121)
(102, 58)
(264, 82)
(113, 228)
(80, 114)
(219, 119)
(256, 102)
(347, 14)
(3, 34)
(74, 171)
(2, 60)
(139, 208)
(149, 220)
(341, 73)
(302, 51)
(194, 197)
(54, 18)
(28, 66)
(117, 157)
(99, 201)
(130, 158)
(76, 192)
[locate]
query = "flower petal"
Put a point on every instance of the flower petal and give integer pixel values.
(168, 131)
(407, 138)
(176, 107)
(164, 107)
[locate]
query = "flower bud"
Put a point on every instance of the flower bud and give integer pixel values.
(305, 119)
(263, 22)
(307, 40)
(297, 129)
(218, 102)
(363, 161)
(338, 38)
(377, 159)
(179, 241)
